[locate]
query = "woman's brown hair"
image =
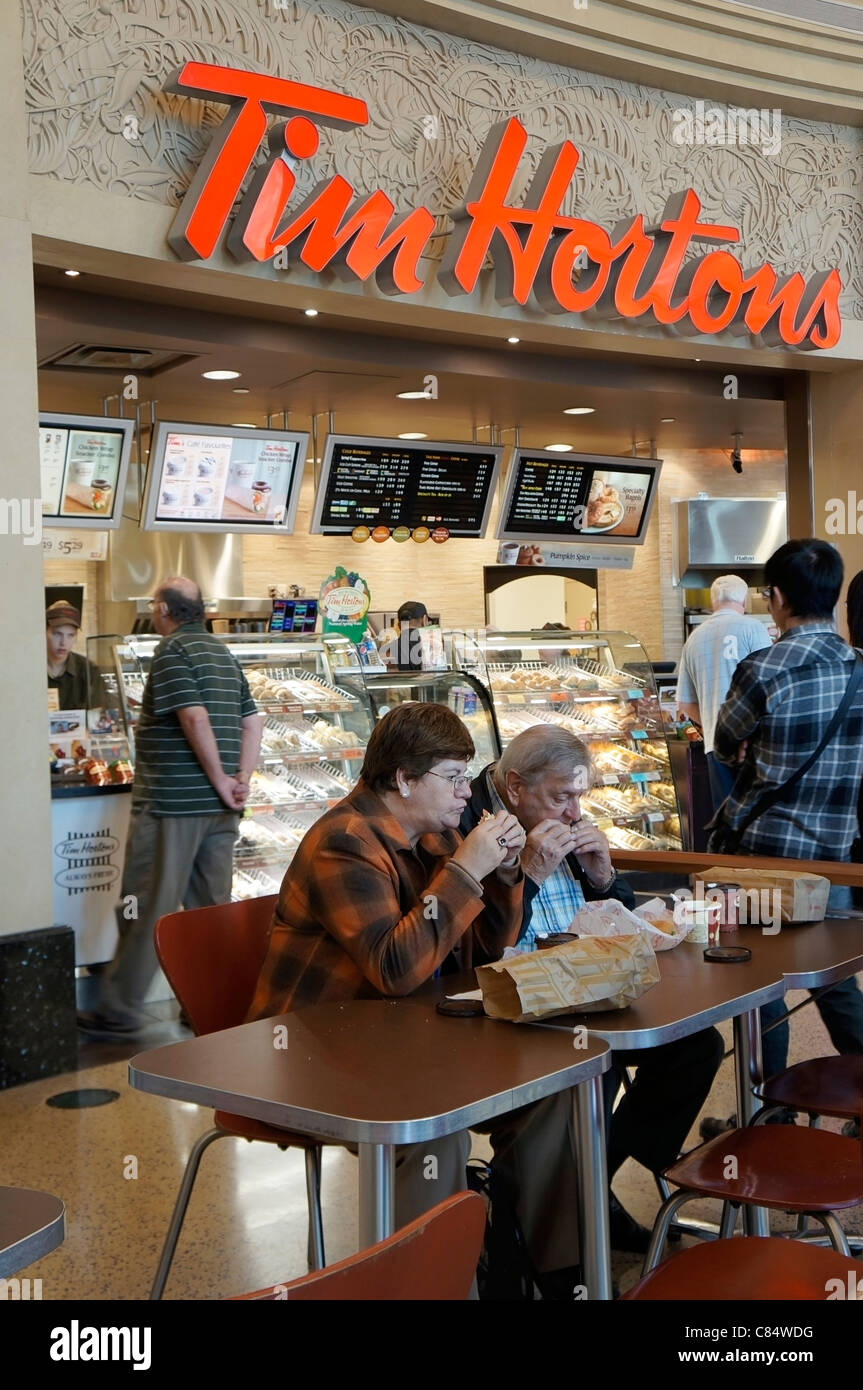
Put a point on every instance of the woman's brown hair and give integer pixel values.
(413, 737)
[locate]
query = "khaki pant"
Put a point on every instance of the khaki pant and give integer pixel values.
(171, 862)
(534, 1147)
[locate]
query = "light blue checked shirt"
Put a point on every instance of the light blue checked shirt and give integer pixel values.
(558, 899)
(554, 906)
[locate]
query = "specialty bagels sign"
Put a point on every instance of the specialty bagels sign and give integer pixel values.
(631, 272)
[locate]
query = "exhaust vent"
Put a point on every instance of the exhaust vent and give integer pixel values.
(100, 357)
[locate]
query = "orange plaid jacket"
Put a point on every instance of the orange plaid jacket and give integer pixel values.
(362, 915)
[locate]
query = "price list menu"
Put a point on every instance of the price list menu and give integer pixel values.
(394, 485)
(561, 498)
(546, 496)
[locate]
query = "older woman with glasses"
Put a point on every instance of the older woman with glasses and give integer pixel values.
(380, 892)
(383, 886)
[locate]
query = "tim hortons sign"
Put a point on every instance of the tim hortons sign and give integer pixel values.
(570, 265)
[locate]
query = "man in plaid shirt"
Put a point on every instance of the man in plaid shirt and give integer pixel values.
(779, 704)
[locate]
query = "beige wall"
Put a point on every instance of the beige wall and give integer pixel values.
(837, 409)
(446, 578)
(25, 839)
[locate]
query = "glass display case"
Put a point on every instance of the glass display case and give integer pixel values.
(464, 693)
(599, 686)
(317, 722)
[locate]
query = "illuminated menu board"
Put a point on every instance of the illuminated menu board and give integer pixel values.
(390, 483)
(577, 496)
(83, 461)
(223, 478)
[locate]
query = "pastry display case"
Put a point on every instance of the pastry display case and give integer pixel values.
(463, 692)
(597, 685)
(317, 722)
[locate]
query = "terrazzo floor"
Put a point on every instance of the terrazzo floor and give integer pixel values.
(117, 1167)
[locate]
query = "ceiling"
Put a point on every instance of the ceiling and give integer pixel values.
(311, 367)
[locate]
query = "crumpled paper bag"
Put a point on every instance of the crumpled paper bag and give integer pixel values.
(587, 976)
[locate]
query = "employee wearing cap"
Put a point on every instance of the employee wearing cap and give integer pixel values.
(403, 648)
(73, 676)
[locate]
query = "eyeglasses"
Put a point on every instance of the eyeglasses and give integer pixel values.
(455, 779)
(767, 593)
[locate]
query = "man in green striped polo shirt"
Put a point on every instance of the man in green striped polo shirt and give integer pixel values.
(197, 742)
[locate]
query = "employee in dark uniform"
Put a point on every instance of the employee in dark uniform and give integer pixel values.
(404, 649)
(68, 672)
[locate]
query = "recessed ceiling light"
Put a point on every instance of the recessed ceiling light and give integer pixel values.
(413, 436)
(243, 425)
(668, 420)
(697, 359)
(412, 396)
(241, 390)
(579, 410)
(220, 376)
(310, 313)
(71, 272)
(513, 340)
(559, 448)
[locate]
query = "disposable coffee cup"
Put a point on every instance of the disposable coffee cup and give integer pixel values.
(81, 472)
(702, 917)
(508, 553)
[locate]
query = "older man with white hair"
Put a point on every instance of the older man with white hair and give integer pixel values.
(540, 778)
(707, 663)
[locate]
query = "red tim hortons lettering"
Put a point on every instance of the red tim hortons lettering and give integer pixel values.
(204, 211)
(352, 236)
(535, 248)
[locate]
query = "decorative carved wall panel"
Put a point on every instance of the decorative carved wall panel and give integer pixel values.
(97, 115)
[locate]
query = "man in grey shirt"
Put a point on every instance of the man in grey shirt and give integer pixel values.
(707, 663)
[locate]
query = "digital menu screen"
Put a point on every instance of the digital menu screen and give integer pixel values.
(391, 483)
(294, 615)
(577, 496)
(83, 461)
(218, 478)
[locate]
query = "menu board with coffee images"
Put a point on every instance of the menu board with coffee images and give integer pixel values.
(224, 478)
(551, 496)
(83, 462)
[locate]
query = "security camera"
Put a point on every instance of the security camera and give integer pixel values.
(736, 456)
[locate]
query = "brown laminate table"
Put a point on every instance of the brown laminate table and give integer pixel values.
(693, 993)
(377, 1073)
(32, 1224)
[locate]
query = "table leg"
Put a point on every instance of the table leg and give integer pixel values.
(747, 1073)
(589, 1120)
(377, 1193)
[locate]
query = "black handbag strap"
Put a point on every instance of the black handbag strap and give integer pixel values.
(779, 793)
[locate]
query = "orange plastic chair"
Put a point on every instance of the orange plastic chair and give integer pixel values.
(809, 1172)
(750, 1269)
(212, 957)
(434, 1258)
(821, 1086)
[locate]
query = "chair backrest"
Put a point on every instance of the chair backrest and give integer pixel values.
(435, 1258)
(212, 957)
